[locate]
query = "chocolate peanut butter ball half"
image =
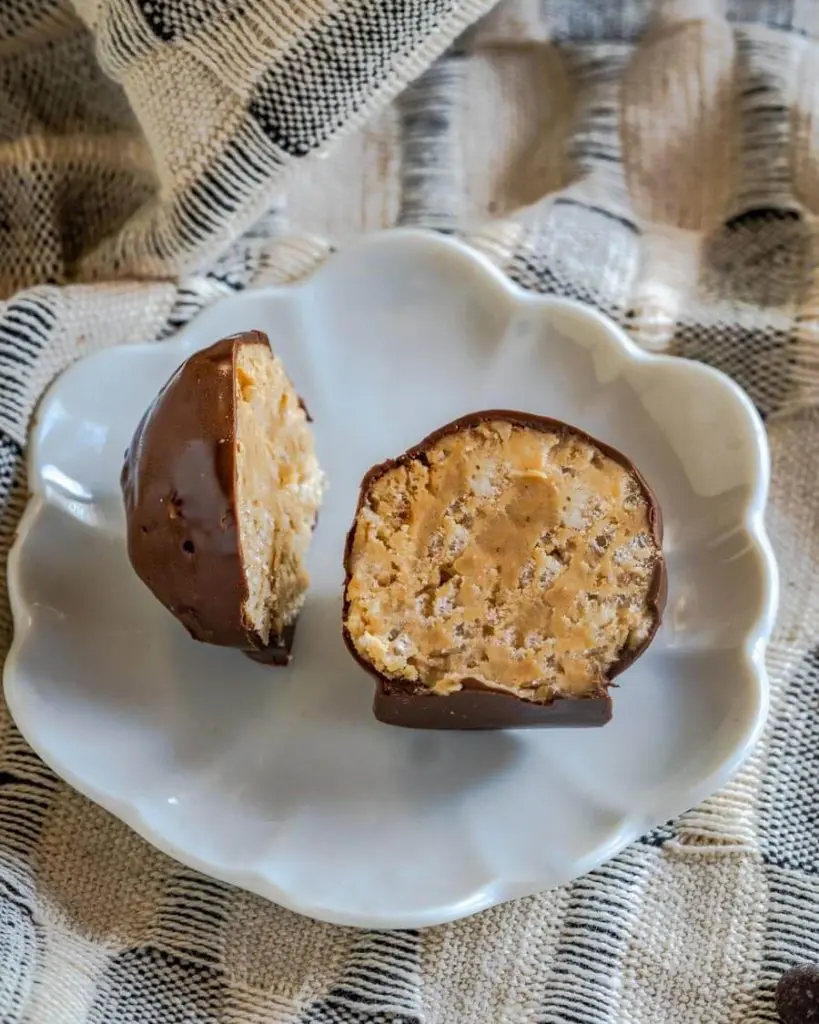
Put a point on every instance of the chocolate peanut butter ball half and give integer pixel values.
(222, 487)
(502, 573)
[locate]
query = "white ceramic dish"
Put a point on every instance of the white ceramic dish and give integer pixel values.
(281, 781)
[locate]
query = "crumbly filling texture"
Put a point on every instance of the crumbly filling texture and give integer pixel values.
(278, 489)
(519, 559)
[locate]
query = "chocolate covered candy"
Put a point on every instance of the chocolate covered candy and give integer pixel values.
(502, 573)
(221, 487)
(797, 995)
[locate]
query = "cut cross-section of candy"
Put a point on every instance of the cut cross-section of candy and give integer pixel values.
(502, 573)
(222, 487)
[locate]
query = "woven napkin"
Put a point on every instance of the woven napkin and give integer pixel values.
(658, 161)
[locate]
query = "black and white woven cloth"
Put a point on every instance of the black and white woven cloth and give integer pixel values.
(660, 161)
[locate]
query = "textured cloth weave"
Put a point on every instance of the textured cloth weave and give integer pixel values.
(660, 161)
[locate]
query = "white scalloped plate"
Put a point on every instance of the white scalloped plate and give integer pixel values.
(281, 781)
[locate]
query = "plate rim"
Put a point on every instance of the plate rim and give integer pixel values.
(498, 891)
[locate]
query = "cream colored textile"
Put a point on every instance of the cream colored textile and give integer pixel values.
(657, 160)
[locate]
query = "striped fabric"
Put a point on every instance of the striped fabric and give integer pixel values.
(656, 160)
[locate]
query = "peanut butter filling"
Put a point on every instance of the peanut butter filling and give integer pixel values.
(278, 489)
(519, 559)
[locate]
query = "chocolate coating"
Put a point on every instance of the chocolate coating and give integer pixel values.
(475, 706)
(178, 487)
(797, 995)
(479, 708)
